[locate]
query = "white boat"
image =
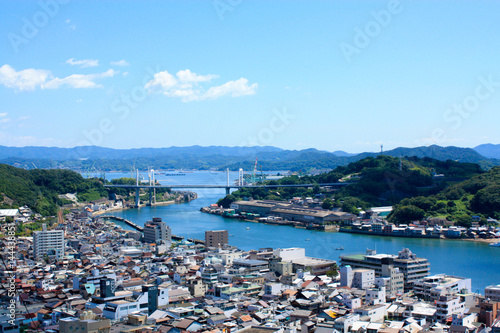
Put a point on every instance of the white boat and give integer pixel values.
(497, 244)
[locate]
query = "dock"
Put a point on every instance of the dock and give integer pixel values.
(121, 219)
(133, 225)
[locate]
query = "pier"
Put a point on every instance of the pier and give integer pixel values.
(121, 219)
(138, 228)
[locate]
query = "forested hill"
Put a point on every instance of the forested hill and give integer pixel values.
(39, 189)
(373, 181)
(477, 196)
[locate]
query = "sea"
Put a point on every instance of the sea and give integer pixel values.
(474, 260)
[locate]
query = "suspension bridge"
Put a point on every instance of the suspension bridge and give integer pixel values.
(152, 185)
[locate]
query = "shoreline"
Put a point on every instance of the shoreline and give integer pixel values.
(119, 209)
(337, 228)
(482, 240)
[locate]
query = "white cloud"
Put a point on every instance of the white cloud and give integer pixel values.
(236, 88)
(79, 80)
(83, 63)
(27, 79)
(3, 118)
(190, 86)
(187, 76)
(119, 63)
(30, 79)
(70, 26)
(7, 139)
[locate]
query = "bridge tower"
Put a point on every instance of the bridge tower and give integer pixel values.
(227, 182)
(137, 188)
(154, 183)
(240, 177)
(152, 190)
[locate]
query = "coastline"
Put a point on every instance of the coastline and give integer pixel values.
(337, 228)
(482, 240)
(119, 209)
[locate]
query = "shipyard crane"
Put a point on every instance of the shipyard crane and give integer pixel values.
(254, 180)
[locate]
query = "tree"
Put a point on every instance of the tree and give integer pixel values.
(464, 221)
(227, 201)
(327, 204)
(405, 214)
(333, 272)
(487, 200)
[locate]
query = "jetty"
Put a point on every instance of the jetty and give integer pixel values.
(135, 226)
(121, 219)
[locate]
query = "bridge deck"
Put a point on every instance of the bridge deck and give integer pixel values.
(225, 186)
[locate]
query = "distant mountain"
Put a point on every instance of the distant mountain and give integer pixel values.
(94, 152)
(489, 150)
(465, 155)
(91, 158)
(342, 153)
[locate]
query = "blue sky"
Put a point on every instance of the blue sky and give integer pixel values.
(332, 75)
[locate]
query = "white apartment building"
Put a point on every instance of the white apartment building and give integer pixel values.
(446, 306)
(431, 288)
(363, 278)
(493, 293)
(48, 243)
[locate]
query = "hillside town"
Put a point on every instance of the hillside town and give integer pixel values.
(86, 274)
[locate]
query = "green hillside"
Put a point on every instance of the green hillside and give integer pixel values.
(373, 181)
(477, 196)
(39, 189)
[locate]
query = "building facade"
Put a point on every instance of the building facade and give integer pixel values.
(216, 238)
(157, 232)
(413, 268)
(48, 243)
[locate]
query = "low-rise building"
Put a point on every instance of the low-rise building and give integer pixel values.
(492, 293)
(446, 306)
(86, 323)
(412, 267)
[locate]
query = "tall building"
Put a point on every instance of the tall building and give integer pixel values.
(157, 232)
(431, 288)
(216, 238)
(361, 278)
(48, 243)
(392, 279)
(413, 268)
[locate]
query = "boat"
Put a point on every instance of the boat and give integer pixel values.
(307, 239)
(248, 228)
(497, 244)
(339, 248)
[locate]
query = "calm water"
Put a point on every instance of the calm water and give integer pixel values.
(478, 261)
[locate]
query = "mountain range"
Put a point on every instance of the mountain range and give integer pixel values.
(219, 157)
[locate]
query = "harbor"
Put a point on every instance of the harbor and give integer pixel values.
(473, 259)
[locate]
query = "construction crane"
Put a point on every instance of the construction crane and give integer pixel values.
(254, 180)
